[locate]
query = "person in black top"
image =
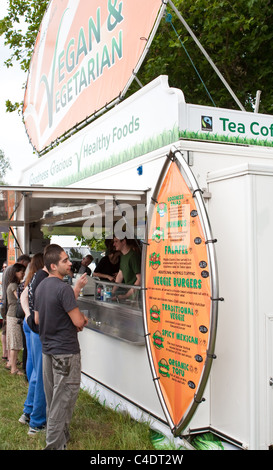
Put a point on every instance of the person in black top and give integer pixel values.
(59, 319)
(81, 267)
(108, 266)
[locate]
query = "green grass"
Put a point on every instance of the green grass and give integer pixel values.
(93, 426)
(211, 137)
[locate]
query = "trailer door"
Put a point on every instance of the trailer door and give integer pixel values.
(269, 385)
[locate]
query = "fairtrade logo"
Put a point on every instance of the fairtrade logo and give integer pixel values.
(155, 314)
(154, 261)
(163, 368)
(206, 123)
(158, 340)
(162, 209)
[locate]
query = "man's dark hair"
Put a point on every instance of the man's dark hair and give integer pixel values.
(52, 255)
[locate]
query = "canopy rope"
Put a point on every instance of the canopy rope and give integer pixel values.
(169, 20)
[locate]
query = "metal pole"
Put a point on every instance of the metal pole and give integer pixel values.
(258, 98)
(206, 55)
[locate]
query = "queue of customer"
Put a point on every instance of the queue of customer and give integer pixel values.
(51, 323)
(50, 341)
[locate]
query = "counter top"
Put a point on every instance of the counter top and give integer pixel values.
(121, 321)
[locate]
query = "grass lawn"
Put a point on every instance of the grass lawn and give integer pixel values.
(93, 426)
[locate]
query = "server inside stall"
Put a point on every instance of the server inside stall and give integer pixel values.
(81, 267)
(130, 266)
(108, 266)
(115, 307)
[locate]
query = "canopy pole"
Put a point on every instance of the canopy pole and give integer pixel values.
(18, 244)
(206, 55)
(258, 99)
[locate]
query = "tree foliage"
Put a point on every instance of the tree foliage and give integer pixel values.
(236, 35)
(20, 28)
(238, 38)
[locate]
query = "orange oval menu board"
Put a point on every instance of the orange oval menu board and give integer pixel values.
(179, 307)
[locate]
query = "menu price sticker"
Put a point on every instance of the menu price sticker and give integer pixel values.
(177, 294)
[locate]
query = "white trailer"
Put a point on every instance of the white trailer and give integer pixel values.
(235, 174)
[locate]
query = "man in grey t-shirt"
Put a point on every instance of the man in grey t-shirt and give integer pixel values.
(59, 320)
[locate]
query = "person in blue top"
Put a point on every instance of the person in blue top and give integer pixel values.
(34, 411)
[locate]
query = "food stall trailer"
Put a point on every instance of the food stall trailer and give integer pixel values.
(235, 179)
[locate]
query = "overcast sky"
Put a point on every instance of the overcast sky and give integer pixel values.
(13, 138)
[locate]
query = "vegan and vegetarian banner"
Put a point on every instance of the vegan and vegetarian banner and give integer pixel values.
(85, 53)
